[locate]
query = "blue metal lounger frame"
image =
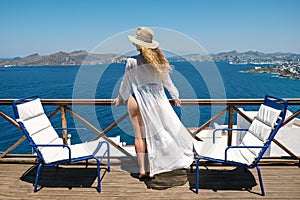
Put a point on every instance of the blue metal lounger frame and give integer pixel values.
(270, 101)
(102, 144)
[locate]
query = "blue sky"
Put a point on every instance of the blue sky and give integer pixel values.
(48, 26)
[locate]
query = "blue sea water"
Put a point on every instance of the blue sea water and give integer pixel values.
(193, 80)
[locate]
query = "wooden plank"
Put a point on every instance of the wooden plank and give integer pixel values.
(210, 121)
(12, 147)
(78, 182)
(111, 126)
(64, 124)
(230, 125)
(184, 102)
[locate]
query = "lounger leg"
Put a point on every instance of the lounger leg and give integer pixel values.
(108, 158)
(37, 177)
(98, 176)
(260, 181)
(197, 176)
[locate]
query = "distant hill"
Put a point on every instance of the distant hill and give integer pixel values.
(83, 57)
(248, 57)
(63, 59)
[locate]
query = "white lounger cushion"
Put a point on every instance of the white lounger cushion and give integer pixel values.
(53, 154)
(268, 115)
(39, 127)
(260, 130)
(257, 135)
(30, 109)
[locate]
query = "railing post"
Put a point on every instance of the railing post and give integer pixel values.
(230, 124)
(64, 124)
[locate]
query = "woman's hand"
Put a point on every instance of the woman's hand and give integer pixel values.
(177, 102)
(118, 100)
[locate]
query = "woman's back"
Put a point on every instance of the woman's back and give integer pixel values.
(143, 73)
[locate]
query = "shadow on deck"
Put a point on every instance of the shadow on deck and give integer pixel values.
(65, 177)
(213, 179)
(79, 181)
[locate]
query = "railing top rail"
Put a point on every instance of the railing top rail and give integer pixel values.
(184, 102)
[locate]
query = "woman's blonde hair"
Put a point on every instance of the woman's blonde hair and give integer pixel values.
(157, 60)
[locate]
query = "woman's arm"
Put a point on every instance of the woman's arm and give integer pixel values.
(168, 83)
(125, 88)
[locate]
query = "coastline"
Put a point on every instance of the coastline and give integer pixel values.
(291, 70)
(283, 65)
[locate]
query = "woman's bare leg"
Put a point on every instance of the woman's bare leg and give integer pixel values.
(138, 126)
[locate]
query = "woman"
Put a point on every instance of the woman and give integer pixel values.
(158, 131)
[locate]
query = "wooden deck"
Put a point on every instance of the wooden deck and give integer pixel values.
(78, 182)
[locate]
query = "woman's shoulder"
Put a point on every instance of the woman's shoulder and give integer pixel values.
(135, 60)
(131, 59)
(131, 63)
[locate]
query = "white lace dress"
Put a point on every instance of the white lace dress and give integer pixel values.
(169, 144)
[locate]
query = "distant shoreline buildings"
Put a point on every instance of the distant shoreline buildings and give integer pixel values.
(285, 70)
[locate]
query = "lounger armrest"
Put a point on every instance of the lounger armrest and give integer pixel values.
(241, 147)
(54, 145)
(107, 152)
(226, 129)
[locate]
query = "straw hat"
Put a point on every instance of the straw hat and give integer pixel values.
(144, 37)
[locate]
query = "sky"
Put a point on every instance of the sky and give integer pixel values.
(49, 26)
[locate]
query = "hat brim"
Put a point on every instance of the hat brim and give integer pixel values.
(153, 45)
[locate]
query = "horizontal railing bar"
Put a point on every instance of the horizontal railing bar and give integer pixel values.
(184, 102)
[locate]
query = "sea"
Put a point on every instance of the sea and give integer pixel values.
(194, 80)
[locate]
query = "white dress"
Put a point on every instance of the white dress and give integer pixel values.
(169, 143)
